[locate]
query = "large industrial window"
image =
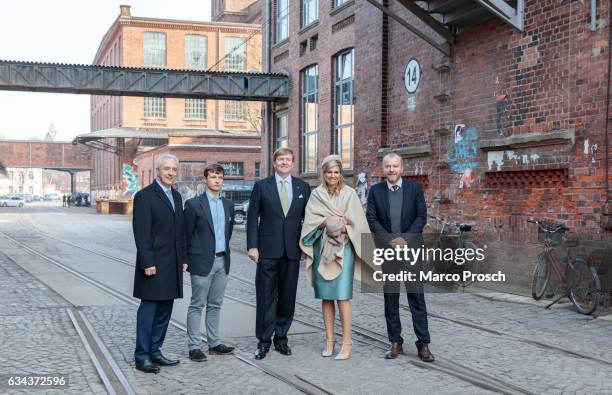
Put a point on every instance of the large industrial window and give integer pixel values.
(155, 107)
(310, 11)
(195, 52)
(338, 3)
(235, 54)
(195, 108)
(281, 129)
(282, 20)
(235, 111)
(154, 49)
(309, 118)
(344, 107)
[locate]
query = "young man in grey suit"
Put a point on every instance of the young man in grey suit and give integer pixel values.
(209, 221)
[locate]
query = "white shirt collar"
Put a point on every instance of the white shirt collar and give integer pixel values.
(398, 183)
(278, 178)
(163, 187)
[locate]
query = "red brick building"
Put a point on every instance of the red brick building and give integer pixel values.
(133, 130)
(512, 125)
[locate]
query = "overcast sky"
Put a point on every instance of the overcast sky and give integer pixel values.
(65, 31)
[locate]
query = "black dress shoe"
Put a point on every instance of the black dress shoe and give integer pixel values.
(221, 349)
(425, 354)
(283, 349)
(163, 361)
(147, 366)
(261, 352)
(197, 355)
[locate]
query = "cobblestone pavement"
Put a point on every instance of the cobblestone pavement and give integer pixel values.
(531, 367)
(38, 336)
(219, 375)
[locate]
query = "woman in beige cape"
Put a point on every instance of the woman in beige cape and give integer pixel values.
(331, 240)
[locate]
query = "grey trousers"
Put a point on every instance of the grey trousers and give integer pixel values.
(206, 291)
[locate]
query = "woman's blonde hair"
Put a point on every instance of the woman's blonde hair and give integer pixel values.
(328, 163)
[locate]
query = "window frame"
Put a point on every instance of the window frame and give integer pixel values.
(281, 17)
(306, 94)
(148, 62)
(229, 53)
(278, 139)
(191, 48)
(229, 171)
(195, 104)
(304, 14)
(339, 125)
(155, 109)
(234, 118)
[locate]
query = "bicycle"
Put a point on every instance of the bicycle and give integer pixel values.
(456, 240)
(580, 281)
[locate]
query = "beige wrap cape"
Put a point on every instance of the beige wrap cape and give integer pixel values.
(322, 205)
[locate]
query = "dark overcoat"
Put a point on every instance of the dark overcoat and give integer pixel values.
(159, 232)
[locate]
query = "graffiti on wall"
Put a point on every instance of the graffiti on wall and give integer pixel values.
(590, 150)
(467, 178)
(129, 185)
(463, 154)
(497, 159)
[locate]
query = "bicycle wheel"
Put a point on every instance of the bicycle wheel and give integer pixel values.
(472, 266)
(431, 263)
(584, 286)
(541, 275)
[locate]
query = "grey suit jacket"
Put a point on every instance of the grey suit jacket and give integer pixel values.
(200, 234)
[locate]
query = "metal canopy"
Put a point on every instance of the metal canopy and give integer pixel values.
(125, 81)
(451, 17)
(95, 139)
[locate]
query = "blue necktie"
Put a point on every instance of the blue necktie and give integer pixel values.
(169, 194)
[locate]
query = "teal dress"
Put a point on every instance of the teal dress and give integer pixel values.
(341, 287)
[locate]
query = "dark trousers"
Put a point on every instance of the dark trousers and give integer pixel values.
(152, 322)
(276, 286)
(418, 309)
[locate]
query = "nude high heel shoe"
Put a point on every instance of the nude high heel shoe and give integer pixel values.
(342, 355)
(326, 353)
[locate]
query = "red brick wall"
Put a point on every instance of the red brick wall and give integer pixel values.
(501, 82)
(552, 77)
(286, 59)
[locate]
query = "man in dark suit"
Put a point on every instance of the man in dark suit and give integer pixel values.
(159, 232)
(405, 197)
(209, 221)
(278, 202)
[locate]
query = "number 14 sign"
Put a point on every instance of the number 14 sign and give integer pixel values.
(412, 75)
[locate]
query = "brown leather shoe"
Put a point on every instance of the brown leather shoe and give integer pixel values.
(425, 354)
(395, 350)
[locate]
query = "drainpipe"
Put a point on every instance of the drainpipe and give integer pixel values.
(265, 132)
(593, 15)
(217, 102)
(607, 118)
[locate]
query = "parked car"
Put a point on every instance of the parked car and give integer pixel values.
(53, 196)
(36, 198)
(240, 212)
(12, 201)
(28, 198)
